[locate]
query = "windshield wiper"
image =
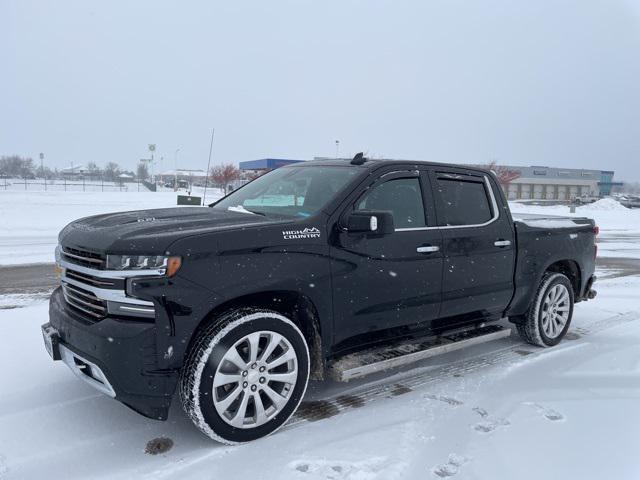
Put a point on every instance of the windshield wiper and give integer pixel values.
(256, 212)
(242, 209)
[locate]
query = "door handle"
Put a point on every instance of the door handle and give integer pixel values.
(428, 249)
(502, 243)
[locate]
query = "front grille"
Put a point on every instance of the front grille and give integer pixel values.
(99, 282)
(83, 257)
(84, 301)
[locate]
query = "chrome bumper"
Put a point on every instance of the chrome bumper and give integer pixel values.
(87, 371)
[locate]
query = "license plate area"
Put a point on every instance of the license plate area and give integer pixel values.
(51, 341)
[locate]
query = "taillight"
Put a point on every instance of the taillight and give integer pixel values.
(596, 230)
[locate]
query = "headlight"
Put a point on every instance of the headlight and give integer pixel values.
(168, 265)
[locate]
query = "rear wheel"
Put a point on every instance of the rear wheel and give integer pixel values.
(246, 375)
(549, 316)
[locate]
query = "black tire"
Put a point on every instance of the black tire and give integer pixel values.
(196, 382)
(531, 326)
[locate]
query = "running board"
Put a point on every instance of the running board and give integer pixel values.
(370, 361)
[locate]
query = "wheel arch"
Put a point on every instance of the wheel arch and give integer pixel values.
(296, 306)
(570, 269)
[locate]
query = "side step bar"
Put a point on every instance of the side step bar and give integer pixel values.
(370, 361)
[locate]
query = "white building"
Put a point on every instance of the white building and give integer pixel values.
(550, 183)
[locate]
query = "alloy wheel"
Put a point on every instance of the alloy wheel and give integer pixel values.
(255, 379)
(555, 310)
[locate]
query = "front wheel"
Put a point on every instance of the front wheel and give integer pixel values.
(245, 376)
(548, 318)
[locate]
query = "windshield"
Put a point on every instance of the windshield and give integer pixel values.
(289, 191)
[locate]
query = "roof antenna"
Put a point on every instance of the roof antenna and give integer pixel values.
(359, 159)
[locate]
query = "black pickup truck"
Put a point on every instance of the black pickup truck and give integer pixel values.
(237, 305)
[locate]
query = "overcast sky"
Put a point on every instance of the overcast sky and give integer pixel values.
(542, 82)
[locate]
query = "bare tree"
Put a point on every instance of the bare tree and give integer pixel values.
(93, 170)
(223, 175)
(142, 172)
(111, 171)
(256, 173)
(16, 166)
(505, 175)
(44, 172)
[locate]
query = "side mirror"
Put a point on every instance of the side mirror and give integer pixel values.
(370, 221)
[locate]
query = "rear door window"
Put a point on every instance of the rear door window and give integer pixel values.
(463, 201)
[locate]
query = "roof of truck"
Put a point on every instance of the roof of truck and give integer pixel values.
(374, 163)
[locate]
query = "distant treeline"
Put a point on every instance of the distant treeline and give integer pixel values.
(24, 167)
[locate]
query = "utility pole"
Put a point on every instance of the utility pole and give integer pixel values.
(337, 148)
(206, 175)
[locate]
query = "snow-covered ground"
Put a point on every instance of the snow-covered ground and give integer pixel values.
(499, 410)
(31, 220)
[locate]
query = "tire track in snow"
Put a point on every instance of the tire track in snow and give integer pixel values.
(421, 377)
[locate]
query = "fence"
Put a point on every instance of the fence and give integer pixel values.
(77, 185)
(150, 186)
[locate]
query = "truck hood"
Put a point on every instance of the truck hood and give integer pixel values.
(151, 231)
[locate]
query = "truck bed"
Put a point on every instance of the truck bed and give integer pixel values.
(551, 221)
(544, 240)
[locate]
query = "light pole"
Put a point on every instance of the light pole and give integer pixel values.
(152, 149)
(175, 165)
(206, 176)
